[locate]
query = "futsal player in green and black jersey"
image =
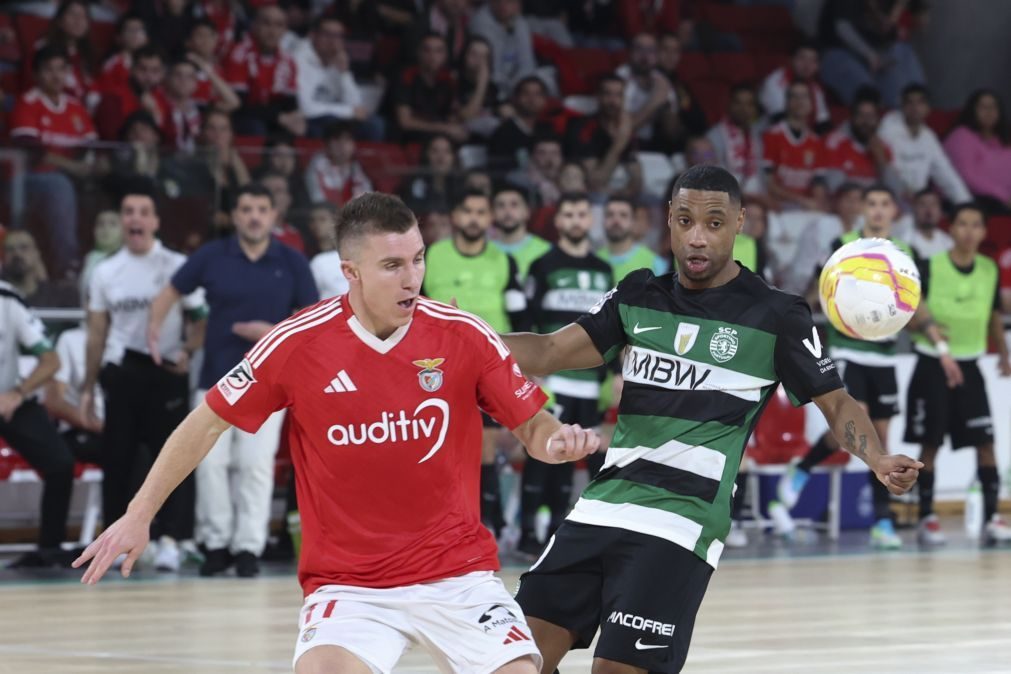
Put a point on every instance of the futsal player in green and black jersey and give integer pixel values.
(705, 348)
(484, 280)
(562, 285)
(961, 291)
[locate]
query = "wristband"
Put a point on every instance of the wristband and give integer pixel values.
(942, 348)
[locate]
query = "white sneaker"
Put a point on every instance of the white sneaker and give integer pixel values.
(791, 484)
(169, 557)
(930, 532)
(884, 537)
(997, 530)
(782, 522)
(737, 538)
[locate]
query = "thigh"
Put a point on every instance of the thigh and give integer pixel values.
(883, 402)
(927, 404)
(652, 592)
(35, 438)
(122, 412)
(971, 424)
(167, 406)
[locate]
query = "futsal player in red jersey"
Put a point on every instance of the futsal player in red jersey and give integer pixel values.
(384, 391)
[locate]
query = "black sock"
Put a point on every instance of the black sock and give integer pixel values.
(882, 499)
(818, 453)
(925, 483)
(990, 483)
(535, 474)
(742, 490)
(491, 500)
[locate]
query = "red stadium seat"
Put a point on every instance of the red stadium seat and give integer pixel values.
(942, 121)
(713, 95)
(733, 67)
(779, 435)
(998, 234)
(694, 66)
(385, 164)
(251, 150)
(767, 61)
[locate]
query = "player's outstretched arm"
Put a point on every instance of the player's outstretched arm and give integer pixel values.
(567, 349)
(186, 447)
(551, 441)
(853, 429)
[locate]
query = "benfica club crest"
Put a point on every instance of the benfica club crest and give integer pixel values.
(430, 376)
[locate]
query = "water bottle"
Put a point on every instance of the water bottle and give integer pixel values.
(974, 511)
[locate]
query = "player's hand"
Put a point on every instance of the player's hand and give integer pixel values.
(88, 409)
(572, 443)
(180, 363)
(128, 535)
(952, 371)
(10, 401)
(897, 472)
(251, 330)
(1004, 366)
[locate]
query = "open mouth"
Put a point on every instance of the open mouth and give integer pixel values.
(697, 263)
(407, 304)
(135, 231)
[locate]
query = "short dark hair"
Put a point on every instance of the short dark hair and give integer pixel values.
(202, 22)
(969, 206)
(915, 88)
(572, 198)
(926, 191)
(810, 45)
(372, 213)
(615, 199)
(48, 53)
(709, 179)
(878, 187)
(470, 193)
(140, 116)
(608, 77)
(253, 190)
(432, 35)
(148, 51)
(743, 87)
(338, 128)
(317, 23)
(527, 80)
(138, 186)
(279, 137)
(848, 186)
(866, 94)
(506, 188)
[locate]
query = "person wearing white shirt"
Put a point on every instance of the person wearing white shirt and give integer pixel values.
(917, 154)
(649, 95)
(803, 67)
(326, 266)
(83, 435)
(927, 237)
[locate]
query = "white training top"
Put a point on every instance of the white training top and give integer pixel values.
(71, 347)
(326, 270)
(124, 286)
(20, 330)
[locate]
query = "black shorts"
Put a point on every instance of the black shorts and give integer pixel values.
(933, 410)
(641, 591)
(582, 411)
(875, 387)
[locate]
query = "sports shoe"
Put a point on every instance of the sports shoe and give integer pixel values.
(737, 538)
(169, 557)
(246, 565)
(997, 530)
(215, 562)
(883, 536)
(929, 532)
(191, 553)
(36, 559)
(791, 484)
(782, 522)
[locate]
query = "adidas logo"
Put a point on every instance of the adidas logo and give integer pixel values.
(515, 634)
(341, 384)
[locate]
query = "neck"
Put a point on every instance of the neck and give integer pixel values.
(581, 249)
(962, 257)
(914, 127)
(514, 236)
(797, 125)
(729, 272)
(464, 246)
(254, 250)
(27, 286)
(143, 251)
(620, 247)
(53, 96)
(365, 318)
(925, 230)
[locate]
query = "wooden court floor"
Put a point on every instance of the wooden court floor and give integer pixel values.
(947, 612)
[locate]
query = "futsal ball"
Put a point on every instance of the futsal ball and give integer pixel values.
(869, 289)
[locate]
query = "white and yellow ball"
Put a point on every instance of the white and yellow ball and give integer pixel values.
(869, 289)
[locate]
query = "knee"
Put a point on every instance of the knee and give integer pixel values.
(985, 455)
(327, 659)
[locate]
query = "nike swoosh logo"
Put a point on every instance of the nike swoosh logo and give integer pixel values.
(637, 330)
(639, 646)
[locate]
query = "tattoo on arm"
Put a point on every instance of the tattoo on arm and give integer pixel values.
(862, 450)
(851, 435)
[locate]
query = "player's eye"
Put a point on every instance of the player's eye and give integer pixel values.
(684, 222)
(715, 224)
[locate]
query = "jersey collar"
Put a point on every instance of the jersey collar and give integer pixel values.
(382, 346)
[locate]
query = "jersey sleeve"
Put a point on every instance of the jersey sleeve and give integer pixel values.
(247, 395)
(22, 121)
(96, 291)
(603, 321)
(502, 390)
(801, 361)
(189, 275)
(31, 332)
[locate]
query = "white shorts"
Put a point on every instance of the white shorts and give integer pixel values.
(468, 624)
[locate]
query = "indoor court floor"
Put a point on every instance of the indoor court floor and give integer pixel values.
(770, 608)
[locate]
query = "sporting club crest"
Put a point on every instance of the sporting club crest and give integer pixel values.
(430, 376)
(723, 345)
(685, 338)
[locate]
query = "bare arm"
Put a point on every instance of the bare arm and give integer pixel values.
(98, 332)
(781, 194)
(598, 173)
(160, 306)
(853, 429)
(57, 406)
(1005, 300)
(11, 400)
(476, 102)
(567, 349)
(227, 99)
(550, 441)
(923, 322)
(186, 447)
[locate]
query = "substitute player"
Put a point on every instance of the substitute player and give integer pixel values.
(382, 387)
(960, 288)
(705, 348)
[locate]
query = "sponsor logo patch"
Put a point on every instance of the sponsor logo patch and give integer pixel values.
(723, 345)
(430, 377)
(237, 382)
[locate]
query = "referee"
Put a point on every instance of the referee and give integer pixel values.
(143, 401)
(961, 291)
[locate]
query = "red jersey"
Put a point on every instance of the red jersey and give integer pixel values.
(204, 93)
(385, 437)
(845, 153)
(180, 124)
(119, 104)
(261, 77)
(60, 128)
(795, 161)
(1004, 262)
(115, 73)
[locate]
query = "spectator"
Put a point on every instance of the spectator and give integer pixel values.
(226, 16)
(139, 150)
(131, 35)
(333, 174)
(253, 282)
(541, 175)
(512, 221)
(649, 97)
(281, 156)
(447, 18)
(69, 33)
(228, 173)
(282, 230)
(265, 77)
(168, 23)
(181, 123)
(737, 139)
(803, 67)
(24, 269)
(792, 153)
(980, 149)
(864, 49)
(816, 240)
(108, 239)
(437, 181)
(326, 265)
(917, 155)
(476, 96)
(592, 25)
(690, 113)
(855, 152)
(426, 95)
(26, 427)
(572, 178)
(56, 129)
(928, 238)
(477, 180)
(141, 92)
(327, 90)
(501, 23)
(700, 150)
(623, 251)
(509, 145)
(604, 143)
(202, 51)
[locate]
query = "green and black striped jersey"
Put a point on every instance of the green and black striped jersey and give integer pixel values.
(699, 367)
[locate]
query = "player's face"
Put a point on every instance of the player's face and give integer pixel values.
(703, 225)
(52, 75)
(472, 218)
(253, 217)
(968, 230)
(573, 221)
(140, 222)
(108, 231)
(388, 269)
(805, 64)
(510, 212)
(618, 221)
(798, 101)
(927, 210)
(879, 213)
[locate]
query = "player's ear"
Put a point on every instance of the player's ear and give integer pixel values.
(350, 270)
(740, 220)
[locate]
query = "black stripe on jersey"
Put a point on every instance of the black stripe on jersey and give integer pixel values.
(675, 480)
(701, 406)
(4, 292)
